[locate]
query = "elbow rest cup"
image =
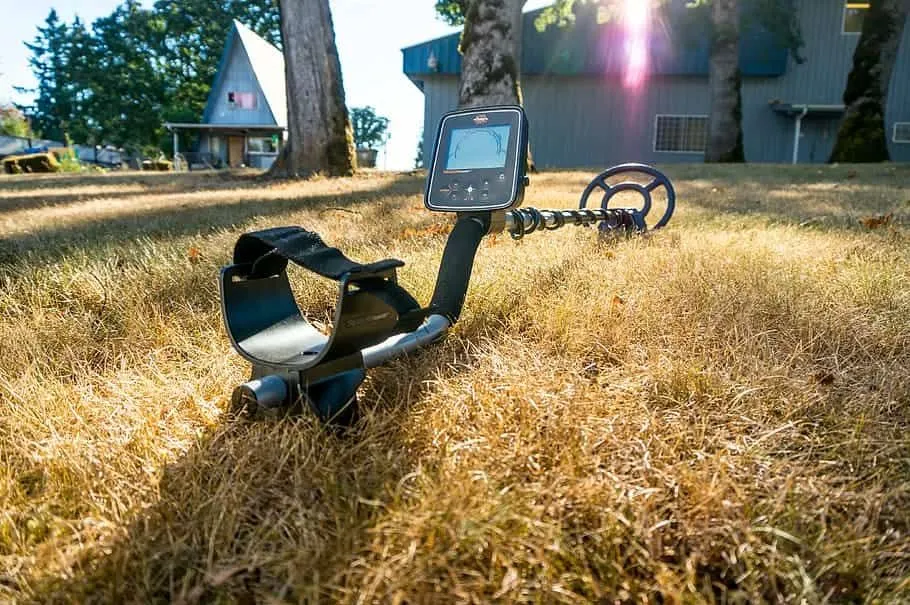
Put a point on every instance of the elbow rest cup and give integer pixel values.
(267, 328)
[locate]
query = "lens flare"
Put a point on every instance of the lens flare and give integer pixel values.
(636, 25)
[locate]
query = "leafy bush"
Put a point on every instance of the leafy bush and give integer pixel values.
(370, 130)
(68, 158)
(13, 123)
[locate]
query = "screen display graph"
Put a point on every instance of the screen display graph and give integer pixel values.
(478, 148)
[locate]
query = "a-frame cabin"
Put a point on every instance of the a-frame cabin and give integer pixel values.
(245, 118)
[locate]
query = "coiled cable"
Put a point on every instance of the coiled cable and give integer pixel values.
(524, 221)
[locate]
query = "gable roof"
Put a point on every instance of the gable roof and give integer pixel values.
(589, 48)
(267, 63)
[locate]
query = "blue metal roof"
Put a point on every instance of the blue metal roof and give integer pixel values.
(588, 48)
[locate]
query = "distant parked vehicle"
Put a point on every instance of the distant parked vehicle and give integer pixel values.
(36, 160)
(160, 164)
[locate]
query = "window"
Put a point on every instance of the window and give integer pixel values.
(902, 132)
(854, 15)
(242, 100)
(681, 134)
(262, 144)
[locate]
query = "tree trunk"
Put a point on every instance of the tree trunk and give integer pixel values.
(725, 133)
(491, 55)
(319, 130)
(862, 136)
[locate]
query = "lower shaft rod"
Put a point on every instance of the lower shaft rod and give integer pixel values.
(523, 221)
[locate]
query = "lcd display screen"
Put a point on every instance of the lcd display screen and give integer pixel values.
(478, 148)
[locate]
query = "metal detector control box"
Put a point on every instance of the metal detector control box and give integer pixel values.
(479, 160)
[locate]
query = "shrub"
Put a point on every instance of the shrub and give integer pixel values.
(369, 128)
(13, 123)
(69, 160)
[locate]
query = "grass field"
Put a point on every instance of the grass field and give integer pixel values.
(716, 413)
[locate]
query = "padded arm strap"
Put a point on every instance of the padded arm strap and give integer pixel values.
(267, 253)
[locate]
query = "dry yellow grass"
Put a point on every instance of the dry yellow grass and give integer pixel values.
(718, 413)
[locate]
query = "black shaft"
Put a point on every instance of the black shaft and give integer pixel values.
(524, 221)
(457, 264)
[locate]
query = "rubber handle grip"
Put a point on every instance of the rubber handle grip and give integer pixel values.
(457, 264)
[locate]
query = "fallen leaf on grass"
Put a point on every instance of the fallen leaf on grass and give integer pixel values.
(194, 254)
(876, 222)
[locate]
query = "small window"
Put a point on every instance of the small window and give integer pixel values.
(242, 100)
(902, 132)
(262, 144)
(854, 15)
(681, 134)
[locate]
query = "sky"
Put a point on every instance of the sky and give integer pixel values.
(369, 36)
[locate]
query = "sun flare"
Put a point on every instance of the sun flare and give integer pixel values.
(636, 22)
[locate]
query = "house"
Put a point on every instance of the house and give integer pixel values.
(245, 118)
(581, 113)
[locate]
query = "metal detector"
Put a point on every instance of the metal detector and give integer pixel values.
(478, 172)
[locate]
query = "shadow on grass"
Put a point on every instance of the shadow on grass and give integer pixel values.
(28, 182)
(275, 509)
(59, 190)
(186, 219)
(279, 511)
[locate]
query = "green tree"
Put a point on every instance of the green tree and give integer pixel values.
(119, 80)
(369, 129)
(419, 157)
(81, 66)
(13, 123)
(128, 90)
(53, 107)
(861, 136)
(195, 34)
(452, 11)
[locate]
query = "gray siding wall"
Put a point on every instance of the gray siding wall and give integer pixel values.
(899, 98)
(580, 121)
(238, 77)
